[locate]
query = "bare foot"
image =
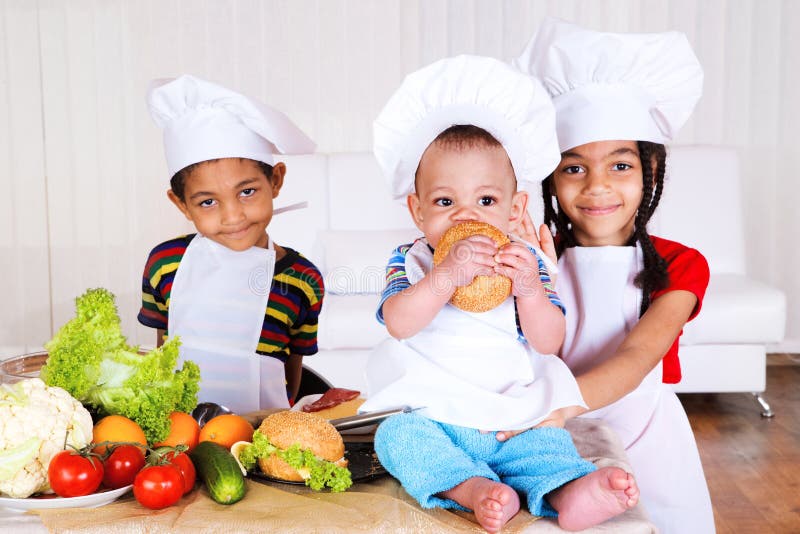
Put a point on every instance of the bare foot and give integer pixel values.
(594, 498)
(494, 503)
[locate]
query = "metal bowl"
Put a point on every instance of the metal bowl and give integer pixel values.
(28, 366)
(21, 367)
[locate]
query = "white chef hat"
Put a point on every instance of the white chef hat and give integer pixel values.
(609, 86)
(466, 90)
(204, 121)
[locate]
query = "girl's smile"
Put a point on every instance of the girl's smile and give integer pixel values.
(599, 210)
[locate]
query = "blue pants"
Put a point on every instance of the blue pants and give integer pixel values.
(428, 458)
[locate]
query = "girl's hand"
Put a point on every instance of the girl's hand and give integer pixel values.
(542, 240)
(547, 244)
(527, 230)
(556, 418)
(468, 258)
(517, 262)
(505, 435)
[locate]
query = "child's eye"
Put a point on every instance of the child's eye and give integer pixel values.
(207, 203)
(250, 191)
(572, 169)
(444, 202)
(622, 166)
(487, 201)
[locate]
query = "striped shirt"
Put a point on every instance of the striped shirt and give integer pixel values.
(292, 315)
(397, 281)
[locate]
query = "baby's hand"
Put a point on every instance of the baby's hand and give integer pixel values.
(519, 264)
(468, 258)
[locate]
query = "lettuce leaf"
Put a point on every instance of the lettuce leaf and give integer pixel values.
(322, 473)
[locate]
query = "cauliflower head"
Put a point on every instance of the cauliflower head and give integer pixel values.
(36, 422)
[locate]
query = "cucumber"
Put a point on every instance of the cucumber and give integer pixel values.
(218, 469)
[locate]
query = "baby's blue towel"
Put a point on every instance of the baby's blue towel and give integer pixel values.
(428, 458)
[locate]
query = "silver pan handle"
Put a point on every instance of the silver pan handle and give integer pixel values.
(367, 419)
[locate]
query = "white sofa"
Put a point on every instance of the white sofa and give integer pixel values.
(352, 225)
(724, 348)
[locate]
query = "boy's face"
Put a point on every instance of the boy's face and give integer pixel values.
(459, 184)
(230, 201)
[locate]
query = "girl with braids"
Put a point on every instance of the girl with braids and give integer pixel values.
(618, 99)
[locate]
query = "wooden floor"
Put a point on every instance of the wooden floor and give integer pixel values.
(752, 463)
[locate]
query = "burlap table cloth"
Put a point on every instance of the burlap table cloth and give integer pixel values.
(380, 505)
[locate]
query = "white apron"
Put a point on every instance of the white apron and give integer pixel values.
(468, 369)
(596, 287)
(217, 306)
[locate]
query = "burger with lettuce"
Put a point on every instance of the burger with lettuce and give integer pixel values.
(299, 447)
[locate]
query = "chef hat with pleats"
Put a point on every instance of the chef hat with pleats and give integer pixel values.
(466, 90)
(204, 121)
(614, 86)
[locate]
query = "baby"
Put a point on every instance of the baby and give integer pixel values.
(458, 139)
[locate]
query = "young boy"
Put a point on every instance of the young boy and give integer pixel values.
(460, 139)
(245, 308)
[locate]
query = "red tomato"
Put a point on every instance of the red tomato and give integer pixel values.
(122, 465)
(158, 486)
(73, 475)
(184, 463)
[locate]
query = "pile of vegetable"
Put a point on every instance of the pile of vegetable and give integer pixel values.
(48, 445)
(36, 422)
(48, 442)
(90, 358)
(158, 481)
(159, 474)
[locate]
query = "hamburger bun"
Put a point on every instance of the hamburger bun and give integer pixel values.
(311, 432)
(485, 292)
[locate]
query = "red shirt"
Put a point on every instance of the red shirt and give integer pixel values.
(687, 270)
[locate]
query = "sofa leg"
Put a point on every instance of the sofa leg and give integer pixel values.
(766, 411)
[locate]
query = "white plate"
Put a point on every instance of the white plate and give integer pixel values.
(308, 399)
(43, 503)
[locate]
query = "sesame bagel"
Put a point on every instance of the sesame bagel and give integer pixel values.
(485, 292)
(311, 432)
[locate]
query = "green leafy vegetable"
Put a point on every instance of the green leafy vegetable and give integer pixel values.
(90, 358)
(322, 473)
(260, 448)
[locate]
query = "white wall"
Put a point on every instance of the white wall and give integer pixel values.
(81, 167)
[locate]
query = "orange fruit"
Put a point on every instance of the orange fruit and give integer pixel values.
(117, 428)
(227, 429)
(183, 430)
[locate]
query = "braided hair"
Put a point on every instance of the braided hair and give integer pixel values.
(653, 275)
